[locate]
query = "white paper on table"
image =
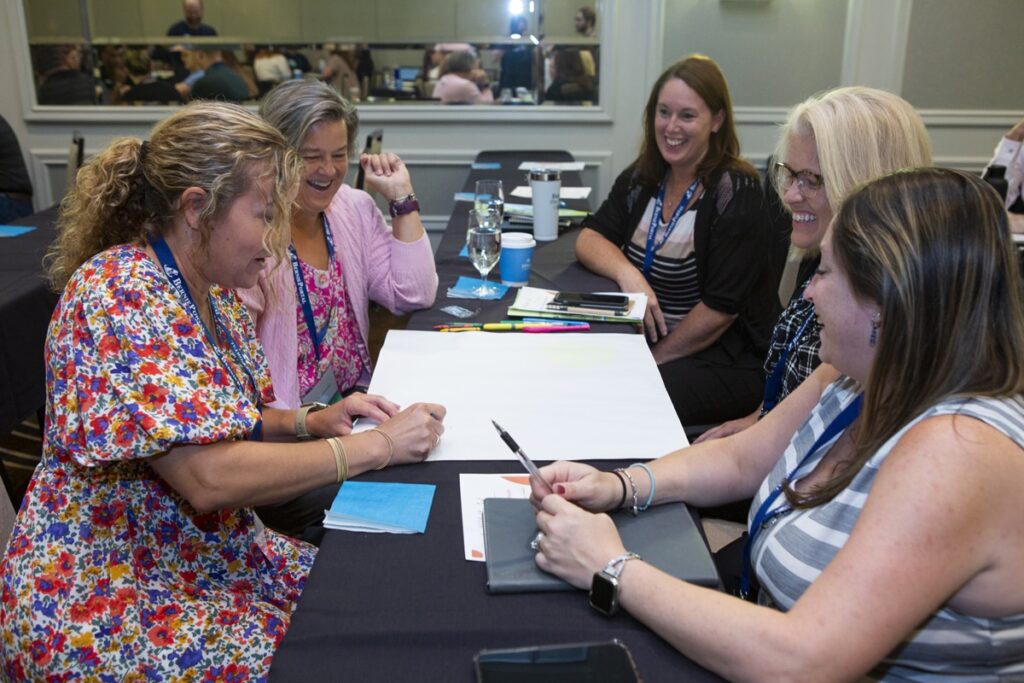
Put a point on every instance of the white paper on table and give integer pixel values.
(563, 396)
(552, 165)
(526, 192)
(473, 488)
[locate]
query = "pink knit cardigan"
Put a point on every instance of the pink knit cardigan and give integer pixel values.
(377, 267)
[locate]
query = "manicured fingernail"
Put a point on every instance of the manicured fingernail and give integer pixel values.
(559, 489)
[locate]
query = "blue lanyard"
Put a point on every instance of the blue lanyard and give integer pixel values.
(170, 267)
(652, 231)
(317, 336)
(837, 426)
(773, 387)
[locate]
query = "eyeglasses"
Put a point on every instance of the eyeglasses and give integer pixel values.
(808, 182)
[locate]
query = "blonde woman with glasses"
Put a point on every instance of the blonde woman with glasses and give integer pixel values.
(830, 144)
(886, 527)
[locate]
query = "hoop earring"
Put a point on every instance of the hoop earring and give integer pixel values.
(875, 324)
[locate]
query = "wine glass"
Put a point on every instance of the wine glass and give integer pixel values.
(489, 195)
(483, 242)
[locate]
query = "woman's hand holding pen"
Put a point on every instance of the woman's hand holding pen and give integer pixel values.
(581, 484)
(575, 543)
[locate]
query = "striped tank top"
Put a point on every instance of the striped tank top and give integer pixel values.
(673, 275)
(790, 555)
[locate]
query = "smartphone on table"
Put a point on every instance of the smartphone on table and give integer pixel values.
(600, 662)
(611, 302)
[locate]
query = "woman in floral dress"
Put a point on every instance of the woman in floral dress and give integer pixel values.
(136, 554)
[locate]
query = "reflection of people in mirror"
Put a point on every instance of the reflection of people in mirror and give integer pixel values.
(218, 82)
(142, 87)
(339, 72)
(270, 67)
(585, 21)
(569, 81)
(517, 60)
(463, 81)
(192, 24)
(63, 80)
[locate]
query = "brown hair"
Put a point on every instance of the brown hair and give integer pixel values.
(127, 192)
(932, 247)
(705, 78)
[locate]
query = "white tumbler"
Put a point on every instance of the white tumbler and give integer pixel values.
(545, 184)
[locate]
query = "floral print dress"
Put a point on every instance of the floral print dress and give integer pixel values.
(110, 574)
(342, 350)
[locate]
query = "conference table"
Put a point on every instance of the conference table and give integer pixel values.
(396, 607)
(26, 304)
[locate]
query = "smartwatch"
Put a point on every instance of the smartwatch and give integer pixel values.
(604, 589)
(301, 433)
(403, 205)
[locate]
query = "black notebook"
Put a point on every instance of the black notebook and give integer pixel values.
(665, 536)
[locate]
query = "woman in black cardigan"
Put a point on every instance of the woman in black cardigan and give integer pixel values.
(687, 224)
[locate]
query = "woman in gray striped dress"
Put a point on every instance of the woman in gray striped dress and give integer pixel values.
(887, 532)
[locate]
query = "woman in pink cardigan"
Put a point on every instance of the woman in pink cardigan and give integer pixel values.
(311, 312)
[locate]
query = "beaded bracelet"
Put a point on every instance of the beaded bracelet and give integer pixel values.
(632, 484)
(622, 480)
(650, 475)
(391, 448)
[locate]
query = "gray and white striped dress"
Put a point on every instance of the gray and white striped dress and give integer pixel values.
(789, 555)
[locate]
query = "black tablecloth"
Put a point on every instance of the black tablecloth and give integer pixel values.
(390, 607)
(26, 304)
(554, 263)
(383, 607)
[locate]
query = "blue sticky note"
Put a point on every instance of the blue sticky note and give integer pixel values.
(464, 288)
(381, 507)
(486, 166)
(465, 251)
(15, 230)
(464, 196)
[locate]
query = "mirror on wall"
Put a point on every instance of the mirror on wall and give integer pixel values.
(445, 52)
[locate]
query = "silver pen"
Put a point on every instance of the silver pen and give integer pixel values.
(531, 468)
(523, 458)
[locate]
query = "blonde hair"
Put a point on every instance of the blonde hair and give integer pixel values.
(932, 247)
(132, 190)
(860, 133)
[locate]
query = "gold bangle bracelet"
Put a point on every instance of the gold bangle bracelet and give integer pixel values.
(391, 447)
(340, 458)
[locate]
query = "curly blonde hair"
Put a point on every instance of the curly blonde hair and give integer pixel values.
(132, 190)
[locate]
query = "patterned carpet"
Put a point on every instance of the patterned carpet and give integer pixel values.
(20, 451)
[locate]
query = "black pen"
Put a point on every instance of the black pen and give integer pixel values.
(523, 458)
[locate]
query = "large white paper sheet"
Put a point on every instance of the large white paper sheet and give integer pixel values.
(568, 396)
